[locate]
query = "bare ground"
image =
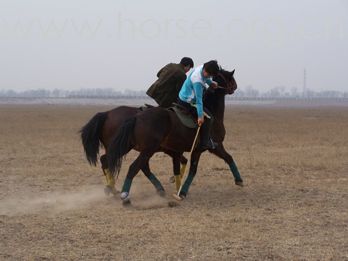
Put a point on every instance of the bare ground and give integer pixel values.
(294, 205)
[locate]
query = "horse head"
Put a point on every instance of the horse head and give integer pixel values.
(214, 99)
(226, 81)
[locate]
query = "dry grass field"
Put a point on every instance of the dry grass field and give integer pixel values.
(294, 205)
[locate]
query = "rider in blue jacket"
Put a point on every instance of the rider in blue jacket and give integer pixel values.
(191, 97)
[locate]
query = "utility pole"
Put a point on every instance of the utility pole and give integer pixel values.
(304, 83)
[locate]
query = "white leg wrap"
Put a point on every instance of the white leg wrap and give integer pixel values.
(124, 195)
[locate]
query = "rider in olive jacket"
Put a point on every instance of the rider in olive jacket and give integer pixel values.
(171, 77)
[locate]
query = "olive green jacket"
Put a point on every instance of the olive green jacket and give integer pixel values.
(167, 87)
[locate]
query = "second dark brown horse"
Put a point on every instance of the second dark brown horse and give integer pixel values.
(159, 129)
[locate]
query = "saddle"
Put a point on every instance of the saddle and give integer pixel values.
(184, 116)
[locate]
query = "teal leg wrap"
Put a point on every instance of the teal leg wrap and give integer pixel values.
(155, 182)
(126, 185)
(187, 184)
(235, 172)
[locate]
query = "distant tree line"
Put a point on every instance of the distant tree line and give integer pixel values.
(82, 93)
(283, 92)
(247, 92)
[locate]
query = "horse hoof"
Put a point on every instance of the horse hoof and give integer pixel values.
(110, 190)
(172, 179)
(114, 191)
(126, 202)
(107, 191)
(173, 204)
(161, 193)
(239, 183)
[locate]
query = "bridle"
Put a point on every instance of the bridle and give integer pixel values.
(229, 87)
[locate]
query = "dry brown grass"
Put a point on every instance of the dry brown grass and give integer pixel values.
(294, 205)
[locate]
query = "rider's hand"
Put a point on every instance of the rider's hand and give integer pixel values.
(200, 121)
(214, 85)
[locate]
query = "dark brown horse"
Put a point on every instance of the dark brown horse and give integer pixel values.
(101, 129)
(159, 129)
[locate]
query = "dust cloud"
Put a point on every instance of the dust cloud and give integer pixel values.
(52, 202)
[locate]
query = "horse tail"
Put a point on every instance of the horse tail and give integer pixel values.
(90, 136)
(120, 145)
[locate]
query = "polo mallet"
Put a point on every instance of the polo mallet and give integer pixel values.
(177, 195)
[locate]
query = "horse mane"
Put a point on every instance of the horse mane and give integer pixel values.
(226, 74)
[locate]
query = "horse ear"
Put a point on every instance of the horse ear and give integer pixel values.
(232, 73)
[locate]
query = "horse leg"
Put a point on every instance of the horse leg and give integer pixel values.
(157, 184)
(193, 170)
(178, 171)
(110, 180)
(183, 162)
(133, 170)
(223, 154)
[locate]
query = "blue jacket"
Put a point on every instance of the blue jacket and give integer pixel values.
(192, 89)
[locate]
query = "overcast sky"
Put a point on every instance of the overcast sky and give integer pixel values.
(73, 44)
